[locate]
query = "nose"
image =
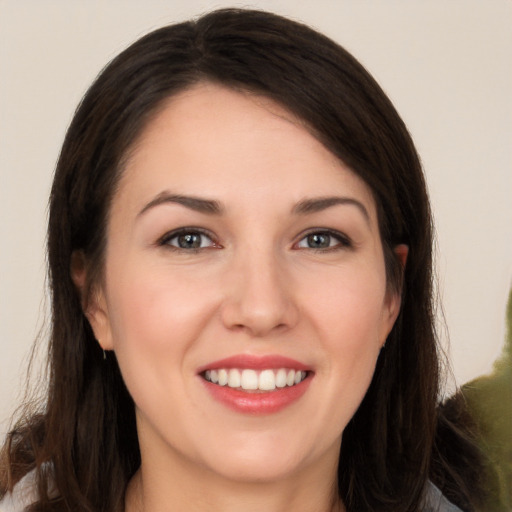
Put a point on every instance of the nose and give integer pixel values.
(259, 298)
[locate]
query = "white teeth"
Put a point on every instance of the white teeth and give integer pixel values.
(267, 380)
(223, 377)
(234, 378)
(249, 379)
(252, 380)
(281, 378)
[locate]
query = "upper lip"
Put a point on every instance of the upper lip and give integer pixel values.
(254, 362)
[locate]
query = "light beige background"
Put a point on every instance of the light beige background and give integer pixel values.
(447, 65)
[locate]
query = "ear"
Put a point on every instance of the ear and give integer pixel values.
(394, 297)
(402, 251)
(93, 301)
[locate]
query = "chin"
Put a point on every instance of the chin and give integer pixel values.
(260, 469)
(266, 457)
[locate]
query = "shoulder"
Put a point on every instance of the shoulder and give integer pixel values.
(23, 495)
(435, 501)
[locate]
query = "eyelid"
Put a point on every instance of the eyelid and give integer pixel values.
(344, 241)
(163, 241)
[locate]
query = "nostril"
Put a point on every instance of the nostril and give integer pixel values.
(259, 300)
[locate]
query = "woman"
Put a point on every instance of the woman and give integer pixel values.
(240, 259)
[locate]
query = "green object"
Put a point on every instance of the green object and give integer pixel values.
(489, 400)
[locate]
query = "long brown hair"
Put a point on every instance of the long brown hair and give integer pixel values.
(84, 443)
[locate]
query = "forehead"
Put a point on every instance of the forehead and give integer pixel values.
(209, 138)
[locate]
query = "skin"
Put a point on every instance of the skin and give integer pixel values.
(255, 286)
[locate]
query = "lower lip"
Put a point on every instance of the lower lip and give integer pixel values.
(260, 402)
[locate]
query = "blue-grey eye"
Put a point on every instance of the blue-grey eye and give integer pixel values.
(318, 241)
(322, 240)
(189, 240)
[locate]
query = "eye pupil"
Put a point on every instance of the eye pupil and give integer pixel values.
(189, 241)
(318, 240)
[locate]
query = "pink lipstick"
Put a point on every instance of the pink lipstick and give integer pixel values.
(256, 384)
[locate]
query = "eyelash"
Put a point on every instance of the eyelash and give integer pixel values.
(165, 240)
(343, 242)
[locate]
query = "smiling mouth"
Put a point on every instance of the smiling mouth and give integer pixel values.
(255, 380)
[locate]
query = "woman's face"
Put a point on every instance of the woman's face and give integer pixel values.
(245, 291)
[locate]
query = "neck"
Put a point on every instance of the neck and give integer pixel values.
(160, 489)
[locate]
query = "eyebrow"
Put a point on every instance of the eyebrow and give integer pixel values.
(198, 204)
(319, 204)
(212, 207)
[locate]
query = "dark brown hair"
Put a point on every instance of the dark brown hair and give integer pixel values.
(84, 443)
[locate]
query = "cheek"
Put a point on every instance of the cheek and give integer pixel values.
(350, 306)
(154, 318)
(152, 308)
(351, 329)
(156, 321)
(348, 316)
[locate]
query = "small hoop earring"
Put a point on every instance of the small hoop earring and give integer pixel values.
(103, 350)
